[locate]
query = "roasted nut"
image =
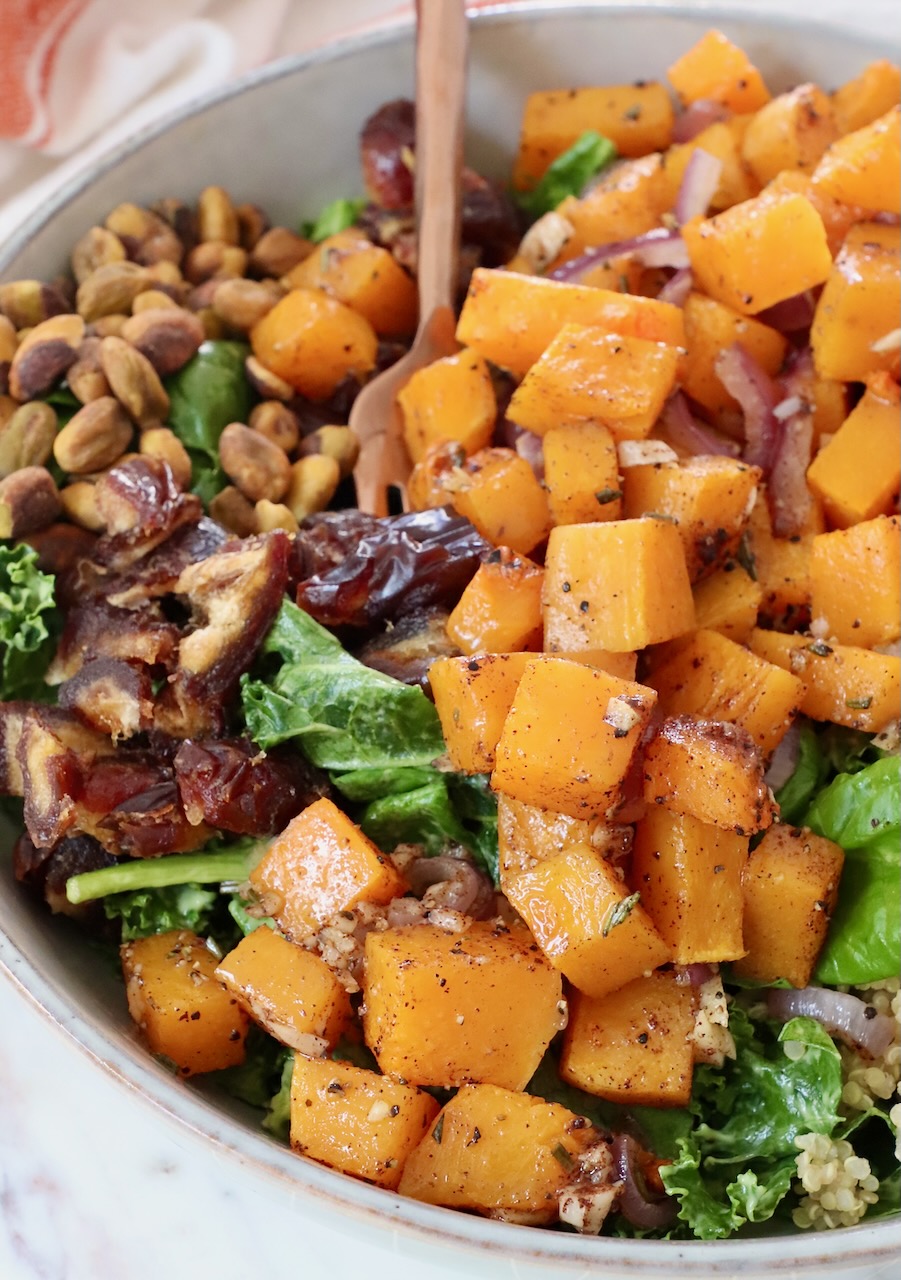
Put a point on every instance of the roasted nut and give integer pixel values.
(162, 443)
(152, 300)
(85, 378)
(240, 303)
(93, 438)
(234, 512)
(166, 274)
(274, 515)
(252, 224)
(214, 259)
(217, 218)
(266, 383)
(26, 437)
(9, 340)
(167, 336)
(277, 423)
(146, 236)
(30, 302)
(60, 546)
(213, 326)
(277, 251)
(200, 298)
(335, 442)
(314, 480)
(28, 501)
(110, 290)
(180, 217)
(44, 355)
(134, 381)
(79, 501)
(258, 467)
(96, 248)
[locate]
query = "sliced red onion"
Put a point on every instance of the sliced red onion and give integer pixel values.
(453, 884)
(677, 288)
(698, 185)
(785, 758)
(658, 248)
(684, 430)
(844, 1016)
(787, 492)
(695, 975)
(756, 393)
(792, 314)
(531, 447)
(697, 117)
(637, 1203)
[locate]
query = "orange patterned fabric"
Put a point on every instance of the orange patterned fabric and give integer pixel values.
(30, 32)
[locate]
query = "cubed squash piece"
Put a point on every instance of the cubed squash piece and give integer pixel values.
(496, 1152)
(736, 182)
(355, 1120)
(570, 737)
(586, 920)
(689, 876)
(710, 771)
(321, 864)
(739, 256)
(472, 697)
(365, 276)
(790, 132)
(844, 684)
(838, 217)
(728, 601)
(709, 499)
(790, 885)
(637, 118)
(632, 1046)
(510, 318)
(313, 342)
(437, 1006)
(864, 167)
(449, 399)
(710, 327)
(716, 68)
(782, 570)
(581, 473)
(290, 992)
(499, 493)
(183, 1010)
(589, 375)
(855, 582)
(500, 608)
(714, 678)
(859, 305)
(626, 201)
(868, 96)
(856, 474)
(527, 834)
(602, 586)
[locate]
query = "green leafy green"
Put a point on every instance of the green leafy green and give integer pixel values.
(148, 911)
(29, 624)
(337, 216)
(862, 813)
(216, 864)
(262, 1072)
(278, 1108)
(568, 174)
(343, 714)
(205, 396)
(809, 775)
(242, 918)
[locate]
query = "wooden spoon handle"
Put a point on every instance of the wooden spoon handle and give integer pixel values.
(441, 56)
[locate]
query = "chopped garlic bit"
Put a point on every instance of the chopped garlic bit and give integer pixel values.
(545, 239)
(378, 1111)
(585, 1202)
(890, 341)
(710, 1036)
(620, 716)
(788, 407)
(644, 453)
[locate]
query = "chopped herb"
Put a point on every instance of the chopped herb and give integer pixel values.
(562, 1156)
(619, 912)
(858, 704)
(568, 174)
(608, 495)
(821, 649)
(438, 1131)
(745, 557)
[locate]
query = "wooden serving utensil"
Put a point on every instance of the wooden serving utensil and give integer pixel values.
(441, 53)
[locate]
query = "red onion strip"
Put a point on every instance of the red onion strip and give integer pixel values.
(785, 758)
(698, 185)
(792, 314)
(844, 1016)
(677, 288)
(636, 1203)
(684, 431)
(697, 117)
(658, 248)
(757, 395)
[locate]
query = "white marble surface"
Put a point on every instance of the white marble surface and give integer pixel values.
(96, 1185)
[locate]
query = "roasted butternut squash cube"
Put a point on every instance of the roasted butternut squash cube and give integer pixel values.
(868, 96)
(838, 217)
(527, 834)
(438, 1009)
(728, 601)
(602, 586)
(542, 307)
(859, 305)
(450, 399)
(710, 327)
(581, 473)
(588, 375)
(855, 582)
(632, 1046)
(313, 342)
(364, 276)
(626, 201)
(500, 608)
(586, 920)
(864, 167)
(321, 864)
(355, 1120)
(499, 493)
(782, 569)
(716, 68)
(472, 697)
(789, 885)
(714, 678)
(183, 1010)
(710, 771)
(738, 258)
(623, 665)
(689, 876)
(289, 992)
(856, 474)
(496, 1152)
(790, 131)
(736, 182)
(570, 736)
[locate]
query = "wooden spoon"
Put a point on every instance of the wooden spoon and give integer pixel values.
(441, 47)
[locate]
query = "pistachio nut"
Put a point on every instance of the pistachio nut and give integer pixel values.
(29, 302)
(96, 248)
(162, 443)
(258, 467)
(93, 438)
(180, 217)
(252, 224)
(274, 515)
(233, 511)
(266, 383)
(335, 442)
(215, 259)
(277, 423)
(277, 251)
(167, 336)
(110, 290)
(217, 218)
(9, 340)
(152, 300)
(108, 326)
(29, 500)
(44, 355)
(85, 378)
(240, 303)
(26, 437)
(314, 480)
(79, 501)
(134, 381)
(147, 237)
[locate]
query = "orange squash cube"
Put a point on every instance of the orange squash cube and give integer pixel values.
(856, 474)
(716, 68)
(586, 920)
(626, 201)
(581, 473)
(602, 586)
(321, 864)
(710, 326)
(499, 493)
(736, 182)
(728, 601)
(500, 608)
(864, 167)
(689, 876)
(364, 276)
(450, 399)
(472, 697)
(183, 1010)
(838, 217)
(355, 1120)
(290, 992)
(623, 665)
(855, 582)
(782, 568)
(438, 1007)
(859, 305)
(868, 96)
(789, 132)
(313, 342)
(570, 737)
(527, 834)
(632, 1046)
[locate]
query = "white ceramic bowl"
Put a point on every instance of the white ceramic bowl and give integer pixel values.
(286, 137)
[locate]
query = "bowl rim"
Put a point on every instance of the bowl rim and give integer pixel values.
(193, 1112)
